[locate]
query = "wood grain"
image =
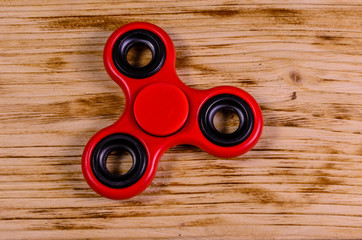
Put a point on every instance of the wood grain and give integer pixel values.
(301, 60)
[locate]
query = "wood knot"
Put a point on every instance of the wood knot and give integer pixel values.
(295, 77)
(293, 96)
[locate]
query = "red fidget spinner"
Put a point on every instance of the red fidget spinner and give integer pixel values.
(161, 112)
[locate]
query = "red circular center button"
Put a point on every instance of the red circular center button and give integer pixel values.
(161, 109)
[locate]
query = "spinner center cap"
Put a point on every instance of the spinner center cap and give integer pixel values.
(161, 109)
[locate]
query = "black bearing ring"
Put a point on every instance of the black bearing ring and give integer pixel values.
(129, 40)
(113, 142)
(235, 103)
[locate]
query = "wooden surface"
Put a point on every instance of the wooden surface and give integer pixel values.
(301, 60)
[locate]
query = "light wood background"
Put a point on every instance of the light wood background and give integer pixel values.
(301, 60)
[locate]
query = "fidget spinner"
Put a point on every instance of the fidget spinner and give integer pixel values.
(161, 112)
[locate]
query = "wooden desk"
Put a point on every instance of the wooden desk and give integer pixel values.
(301, 60)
